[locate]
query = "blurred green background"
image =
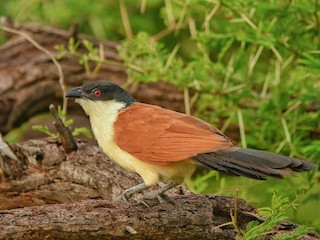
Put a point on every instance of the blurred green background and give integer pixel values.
(250, 67)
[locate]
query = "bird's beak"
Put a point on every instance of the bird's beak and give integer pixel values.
(75, 93)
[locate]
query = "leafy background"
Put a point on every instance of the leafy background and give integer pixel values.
(247, 66)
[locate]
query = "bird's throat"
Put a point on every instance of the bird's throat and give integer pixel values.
(97, 108)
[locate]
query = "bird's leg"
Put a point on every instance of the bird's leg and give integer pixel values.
(160, 192)
(135, 189)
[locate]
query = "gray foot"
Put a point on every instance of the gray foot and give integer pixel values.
(128, 192)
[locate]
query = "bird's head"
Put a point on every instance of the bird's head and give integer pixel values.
(94, 96)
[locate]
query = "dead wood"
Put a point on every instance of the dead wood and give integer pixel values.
(65, 134)
(29, 81)
(55, 195)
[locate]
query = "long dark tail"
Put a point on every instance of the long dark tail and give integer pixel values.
(253, 163)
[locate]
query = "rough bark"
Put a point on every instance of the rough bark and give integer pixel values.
(74, 196)
(188, 217)
(29, 79)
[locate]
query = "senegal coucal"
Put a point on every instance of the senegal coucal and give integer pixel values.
(164, 145)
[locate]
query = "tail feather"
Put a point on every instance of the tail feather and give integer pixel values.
(253, 163)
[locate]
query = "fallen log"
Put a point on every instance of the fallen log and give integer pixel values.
(55, 195)
(187, 217)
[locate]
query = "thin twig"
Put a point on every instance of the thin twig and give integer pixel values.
(234, 215)
(242, 130)
(209, 16)
(277, 72)
(254, 60)
(182, 15)
(276, 52)
(286, 131)
(248, 21)
(125, 19)
(186, 98)
(131, 230)
(214, 228)
(192, 27)
(315, 12)
(171, 57)
(46, 51)
(170, 14)
(143, 6)
(165, 32)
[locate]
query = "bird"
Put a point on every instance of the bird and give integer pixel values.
(166, 146)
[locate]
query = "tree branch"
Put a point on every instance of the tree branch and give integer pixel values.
(86, 184)
(189, 217)
(66, 137)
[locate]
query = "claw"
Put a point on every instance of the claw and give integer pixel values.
(123, 197)
(159, 194)
(162, 198)
(145, 204)
(126, 193)
(153, 195)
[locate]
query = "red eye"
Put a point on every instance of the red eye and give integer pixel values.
(97, 92)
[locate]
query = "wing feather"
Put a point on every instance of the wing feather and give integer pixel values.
(160, 136)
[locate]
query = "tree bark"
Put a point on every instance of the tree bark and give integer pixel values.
(54, 195)
(29, 79)
(187, 217)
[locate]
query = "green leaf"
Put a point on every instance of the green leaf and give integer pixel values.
(45, 129)
(82, 131)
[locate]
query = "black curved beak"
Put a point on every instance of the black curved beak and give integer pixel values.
(75, 93)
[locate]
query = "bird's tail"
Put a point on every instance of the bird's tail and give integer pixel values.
(253, 163)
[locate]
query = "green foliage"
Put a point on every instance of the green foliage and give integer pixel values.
(45, 129)
(251, 65)
(82, 131)
(100, 18)
(201, 182)
(274, 215)
(67, 122)
(301, 230)
(89, 56)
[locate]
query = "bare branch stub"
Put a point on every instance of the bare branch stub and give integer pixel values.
(66, 137)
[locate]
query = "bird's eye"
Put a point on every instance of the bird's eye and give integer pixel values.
(97, 92)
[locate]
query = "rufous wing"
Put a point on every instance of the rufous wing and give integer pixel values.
(160, 136)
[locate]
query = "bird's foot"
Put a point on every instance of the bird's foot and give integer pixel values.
(144, 203)
(128, 192)
(154, 195)
(160, 193)
(123, 196)
(162, 198)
